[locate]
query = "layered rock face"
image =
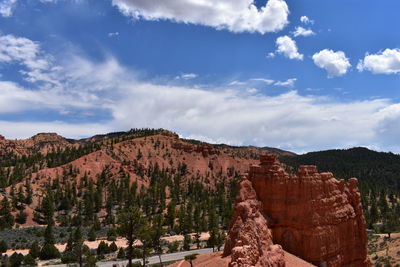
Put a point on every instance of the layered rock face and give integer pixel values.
(311, 215)
(250, 241)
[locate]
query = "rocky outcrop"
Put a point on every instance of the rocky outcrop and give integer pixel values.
(311, 215)
(250, 241)
(205, 149)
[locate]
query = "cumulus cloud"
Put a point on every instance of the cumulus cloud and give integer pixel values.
(7, 7)
(300, 31)
(306, 20)
(384, 62)
(236, 116)
(335, 63)
(235, 16)
(288, 47)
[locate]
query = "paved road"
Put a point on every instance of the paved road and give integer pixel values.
(165, 258)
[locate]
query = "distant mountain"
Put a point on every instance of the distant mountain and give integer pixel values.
(379, 170)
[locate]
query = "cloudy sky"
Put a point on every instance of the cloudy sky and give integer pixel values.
(298, 75)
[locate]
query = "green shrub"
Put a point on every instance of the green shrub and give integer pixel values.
(173, 246)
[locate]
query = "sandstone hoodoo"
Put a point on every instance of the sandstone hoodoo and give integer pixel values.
(250, 241)
(311, 215)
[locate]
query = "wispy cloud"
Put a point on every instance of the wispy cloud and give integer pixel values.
(239, 115)
(187, 76)
(113, 34)
(287, 83)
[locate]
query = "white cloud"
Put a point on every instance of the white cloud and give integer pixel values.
(335, 63)
(234, 83)
(23, 51)
(300, 31)
(235, 16)
(7, 7)
(252, 90)
(287, 83)
(271, 55)
(384, 62)
(240, 116)
(25, 129)
(267, 81)
(112, 34)
(306, 20)
(187, 76)
(288, 47)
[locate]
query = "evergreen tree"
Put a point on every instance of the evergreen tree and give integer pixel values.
(6, 218)
(21, 217)
(92, 234)
(373, 214)
(121, 253)
(49, 251)
(186, 242)
(171, 214)
(34, 250)
(190, 258)
(113, 247)
(28, 193)
(3, 247)
(29, 260)
(212, 240)
(78, 245)
(146, 235)
(130, 224)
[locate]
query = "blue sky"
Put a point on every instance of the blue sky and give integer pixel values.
(298, 75)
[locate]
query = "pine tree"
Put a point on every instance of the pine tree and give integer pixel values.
(121, 253)
(190, 258)
(130, 224)
(3, 247)
(78, 245)
(49, 251)
(186, 242)
(6, 218)
(171, 214)
(34, 250)
(28, 193)
(21, 217)
(92, 234)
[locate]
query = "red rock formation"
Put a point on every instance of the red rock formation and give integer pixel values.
(312, 215)
(250, 241)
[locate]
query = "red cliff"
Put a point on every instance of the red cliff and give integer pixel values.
(250, 241)
(311, 215)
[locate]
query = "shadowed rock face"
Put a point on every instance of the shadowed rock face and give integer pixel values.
(312, 215)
